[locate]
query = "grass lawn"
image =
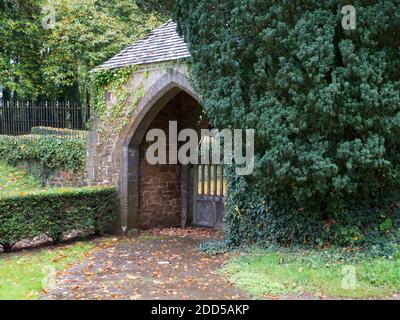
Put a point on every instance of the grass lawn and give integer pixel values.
(14, 180)
(22, 273)
(278, 273)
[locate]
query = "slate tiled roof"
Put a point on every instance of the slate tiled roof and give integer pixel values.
(162, 44)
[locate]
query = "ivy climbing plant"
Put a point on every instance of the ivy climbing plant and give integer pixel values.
(113, 81)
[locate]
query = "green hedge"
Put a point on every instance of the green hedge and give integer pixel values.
(55, 152)
(55, 212)
(250, 218)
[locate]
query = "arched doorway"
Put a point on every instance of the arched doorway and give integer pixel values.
(165, 189)
(161, 195)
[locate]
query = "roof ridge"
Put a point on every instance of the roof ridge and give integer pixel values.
(161, 44)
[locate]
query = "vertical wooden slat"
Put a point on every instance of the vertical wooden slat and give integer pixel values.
(215, 180)
(202, 178)
(209, 180)
(222, 181)
(196, 180)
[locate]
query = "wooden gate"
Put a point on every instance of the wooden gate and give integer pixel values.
(209, 191)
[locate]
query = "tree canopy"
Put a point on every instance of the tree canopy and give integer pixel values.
(20, 43)
(55, 62)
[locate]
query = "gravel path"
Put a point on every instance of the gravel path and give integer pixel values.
(159, 264)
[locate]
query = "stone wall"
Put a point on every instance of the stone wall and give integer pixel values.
(105, 142)
(150, 195)
(65, 178)
(160, 185)
(56, 178)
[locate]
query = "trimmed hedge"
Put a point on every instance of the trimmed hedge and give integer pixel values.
(54, 152)
(55, 212)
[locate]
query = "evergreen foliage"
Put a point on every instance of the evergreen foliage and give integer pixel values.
(325, 104)
(56, 212)
(52, 151)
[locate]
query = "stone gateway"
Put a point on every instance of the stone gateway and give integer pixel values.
(157, 92)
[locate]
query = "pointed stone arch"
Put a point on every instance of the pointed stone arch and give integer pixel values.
(161, 63)
(156, 96)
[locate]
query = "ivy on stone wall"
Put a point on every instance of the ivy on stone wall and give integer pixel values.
(52, 152)
(109, 80)
(113, 81)
(116, 116)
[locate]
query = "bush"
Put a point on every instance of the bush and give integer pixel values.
(324, 103)
(53, 152)
(250, 218)
(56, 212)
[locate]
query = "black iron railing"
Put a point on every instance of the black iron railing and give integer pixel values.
(32, 119)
